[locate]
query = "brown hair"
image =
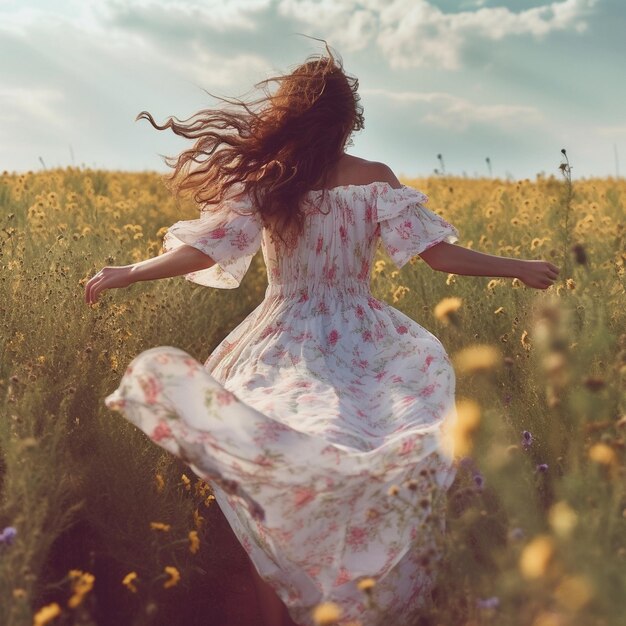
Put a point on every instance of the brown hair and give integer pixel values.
(279, 146)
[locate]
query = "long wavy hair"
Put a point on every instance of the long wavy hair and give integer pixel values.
(278, 146)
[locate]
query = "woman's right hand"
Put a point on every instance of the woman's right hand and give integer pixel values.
(538, 274)
(110, 277)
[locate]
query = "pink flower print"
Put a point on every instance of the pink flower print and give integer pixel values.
(246, 543)
(408, 445)
(223, 397)
(268, 330)
(368, 213)
(362, 363)
(313, 570)
(343, 577)
(329, 272)
(427, 361)
(322, 308)
(151, 388)
(218, 233)
(241, 240)
(374, 304)
(402, 330)
(343, 233)
(320, 243)
(264, 461)
(365, 268)
(304, 296)
(397, 379)
(279, 353)
(405, 229)
(427, 391)
(356, 538)
(162, 359)
(333, 337)
(360, 312)
(161, 431)
(380, 375)
(408, 400)
(367, 335)
(303, 495)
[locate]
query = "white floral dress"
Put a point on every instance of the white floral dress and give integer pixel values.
(314, 407)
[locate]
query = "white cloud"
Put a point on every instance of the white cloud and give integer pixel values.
(458, 114)
(415, 33)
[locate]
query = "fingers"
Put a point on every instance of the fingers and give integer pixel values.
(93, 288)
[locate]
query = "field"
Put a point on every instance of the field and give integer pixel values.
(100, 526)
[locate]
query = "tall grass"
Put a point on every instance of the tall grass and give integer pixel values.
(536, 523)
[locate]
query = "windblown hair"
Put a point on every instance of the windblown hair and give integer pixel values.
(278, 146)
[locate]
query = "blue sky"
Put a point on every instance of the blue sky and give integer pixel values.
(511, 80)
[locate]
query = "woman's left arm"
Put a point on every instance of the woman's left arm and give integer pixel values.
(182, 260)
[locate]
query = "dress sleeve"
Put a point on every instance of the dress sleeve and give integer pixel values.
(230, 238)
(407, 227)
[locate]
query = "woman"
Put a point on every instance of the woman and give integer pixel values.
(317, 420)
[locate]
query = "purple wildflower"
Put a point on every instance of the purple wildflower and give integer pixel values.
(7, 536)
(542, 467)
(479, 481)
(527, 439)
(488, 603)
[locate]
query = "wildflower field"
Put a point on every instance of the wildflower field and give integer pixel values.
(100, 526)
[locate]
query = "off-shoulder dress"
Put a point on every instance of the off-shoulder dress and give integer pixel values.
(318, 407)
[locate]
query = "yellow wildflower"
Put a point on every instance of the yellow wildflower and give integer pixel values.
(160, 483)
(457, 434)
(197, 519)
(19, 593)
(174, 577)
(379, 266)
(186, 482)
(446, 309)
(536, 557)
(602, 454)
(399, 293)
(46, 614)
(477, 358)
(574, 592)
(326, 614)
(451, 279)
(194, 541)
(160, 526)
(127, 581)
(562, 519)
(366, 584)
(82, 584)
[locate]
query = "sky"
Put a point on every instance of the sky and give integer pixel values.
(512, 81)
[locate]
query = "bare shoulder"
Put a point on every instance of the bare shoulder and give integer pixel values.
(363, 172)
(383, 173)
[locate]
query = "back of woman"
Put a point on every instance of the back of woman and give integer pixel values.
(318, 420)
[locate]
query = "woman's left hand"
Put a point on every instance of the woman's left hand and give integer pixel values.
(107, 278)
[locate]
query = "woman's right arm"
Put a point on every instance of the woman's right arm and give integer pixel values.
(182, 260)
(455, 259)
